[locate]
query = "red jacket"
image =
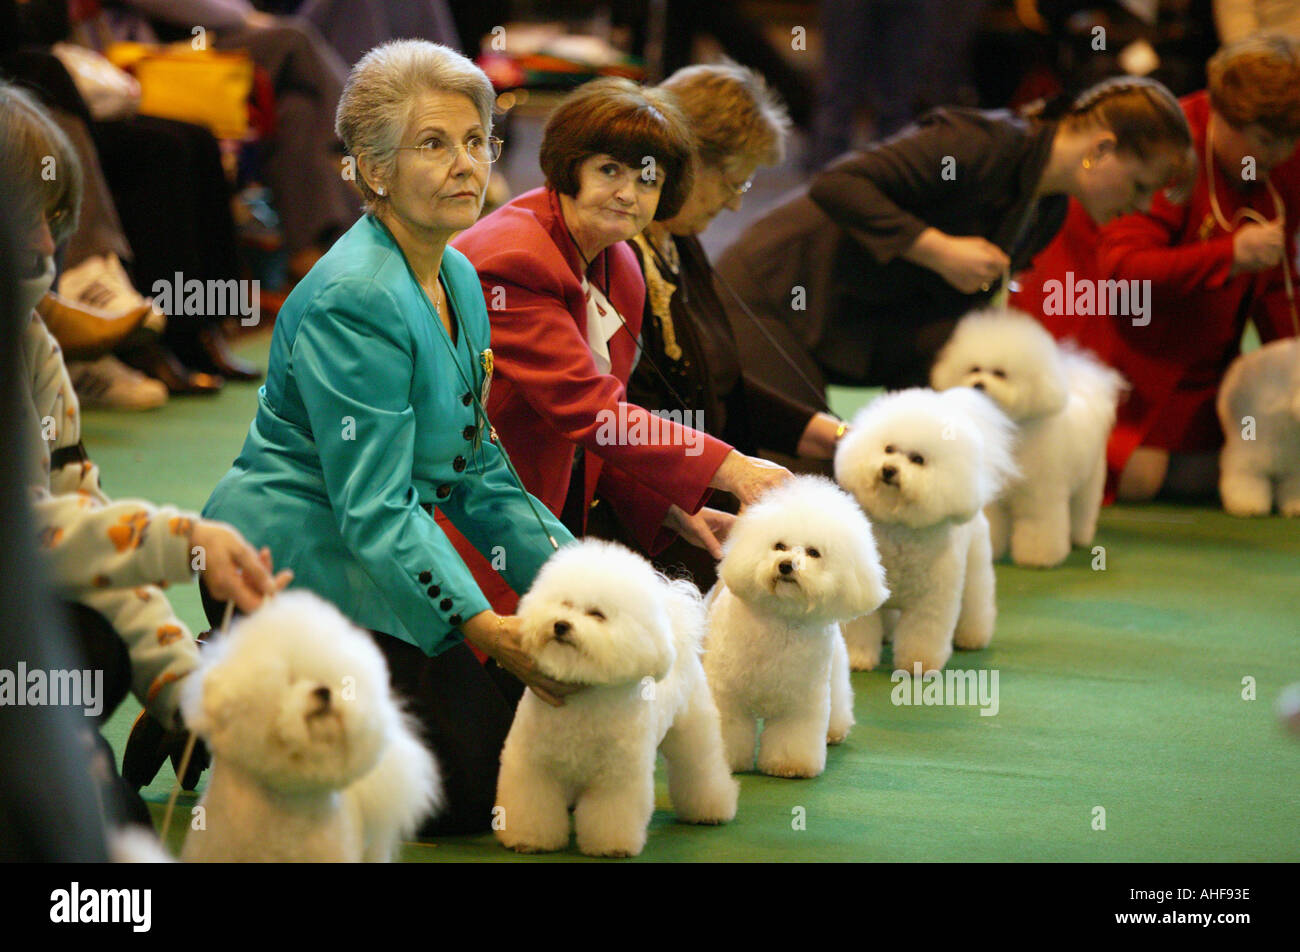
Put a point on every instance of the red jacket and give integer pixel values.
(1197, 311)
(547, 396)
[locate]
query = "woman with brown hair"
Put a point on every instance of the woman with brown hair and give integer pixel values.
(565, 297)
(1213, 263)
(871, 267)
(690, 360)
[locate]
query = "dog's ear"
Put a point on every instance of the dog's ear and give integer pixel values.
(665, 657)
(1048, 394)
(866, 589)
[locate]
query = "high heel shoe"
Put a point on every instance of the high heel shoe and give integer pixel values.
(158, 362)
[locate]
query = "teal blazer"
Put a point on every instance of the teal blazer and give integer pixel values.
(366, 423)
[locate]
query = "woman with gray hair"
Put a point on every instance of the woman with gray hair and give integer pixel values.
(372, 415)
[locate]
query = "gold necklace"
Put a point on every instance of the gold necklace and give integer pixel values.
(1250, 214)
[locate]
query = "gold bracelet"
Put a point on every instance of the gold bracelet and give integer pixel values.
(841, 430)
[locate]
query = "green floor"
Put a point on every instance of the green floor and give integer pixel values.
(1120, 688)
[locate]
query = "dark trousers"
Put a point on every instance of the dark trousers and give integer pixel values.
(102, 649)
(465, 710)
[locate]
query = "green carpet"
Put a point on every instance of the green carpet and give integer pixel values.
(1120, 688)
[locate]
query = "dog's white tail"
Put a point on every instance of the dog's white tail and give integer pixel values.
(687, 613)
(395, 797)
(1099, 386)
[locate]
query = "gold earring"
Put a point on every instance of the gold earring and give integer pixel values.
(1087, 163)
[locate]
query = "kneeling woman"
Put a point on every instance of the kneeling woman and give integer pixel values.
(370, 418)
(566, 299)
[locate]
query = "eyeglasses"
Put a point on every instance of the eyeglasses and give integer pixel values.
(481, 151)
(57, 218)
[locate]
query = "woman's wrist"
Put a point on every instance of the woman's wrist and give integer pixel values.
(724, 477)
(483, 630)
(928, 249)
(821, 436)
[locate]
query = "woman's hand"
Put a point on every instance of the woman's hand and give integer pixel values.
(498, 637)
(707, 529)
(1257, 247)
(747, 477)
(969, 263)
(234, 570)
(820, 437)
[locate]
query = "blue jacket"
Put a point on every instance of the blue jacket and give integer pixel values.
(364, 424)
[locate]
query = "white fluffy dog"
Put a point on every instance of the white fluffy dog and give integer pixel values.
(1263, 385)
(1063, 403)
(312, 759)
(600, 615)
(796, 563)
(923, 465)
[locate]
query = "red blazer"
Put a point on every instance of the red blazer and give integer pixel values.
(547, 396)
(1198, 313)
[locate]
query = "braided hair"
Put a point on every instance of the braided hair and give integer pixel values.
(1143, 115)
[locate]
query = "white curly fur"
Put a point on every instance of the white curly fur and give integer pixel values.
(796, 564)
(1063, 403)
(598, 614)
(923, 465)
(1256, 473)
(312, 758)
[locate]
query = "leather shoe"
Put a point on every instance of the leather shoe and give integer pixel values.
(161, 364)
(215, 356)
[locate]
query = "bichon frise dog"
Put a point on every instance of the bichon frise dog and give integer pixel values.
(795, 564)
(312, 759)
(599, 615)
(923, 465)
(1259, 408)
(1063, 403)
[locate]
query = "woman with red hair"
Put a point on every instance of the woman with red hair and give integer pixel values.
(1221, 258)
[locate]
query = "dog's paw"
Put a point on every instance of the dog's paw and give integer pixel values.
(791, 769)
(1251, 509)
(618, 847)
(613, 852)
(837, 735)
(1291, 508)
(863, 660)
(710, 809)
(929, 662)
(972, 638)
(532, 844)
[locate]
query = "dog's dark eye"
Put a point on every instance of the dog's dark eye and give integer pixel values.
(780, 547)
(917, 458)
(813, 553)
(974, 370)
(890, 449)
(1000, 374)
(596, 613)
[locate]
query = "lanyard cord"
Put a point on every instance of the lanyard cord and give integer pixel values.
(1250, 214)
(635, 340)
(480, 411)
(819, 398)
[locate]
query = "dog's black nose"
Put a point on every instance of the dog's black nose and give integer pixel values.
(887, 473)
(322, 694)
(786, 568)
(978, 386)
(562, 628)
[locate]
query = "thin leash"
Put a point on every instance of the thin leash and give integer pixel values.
(193, 739)
(480, 411)
(643, 354)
